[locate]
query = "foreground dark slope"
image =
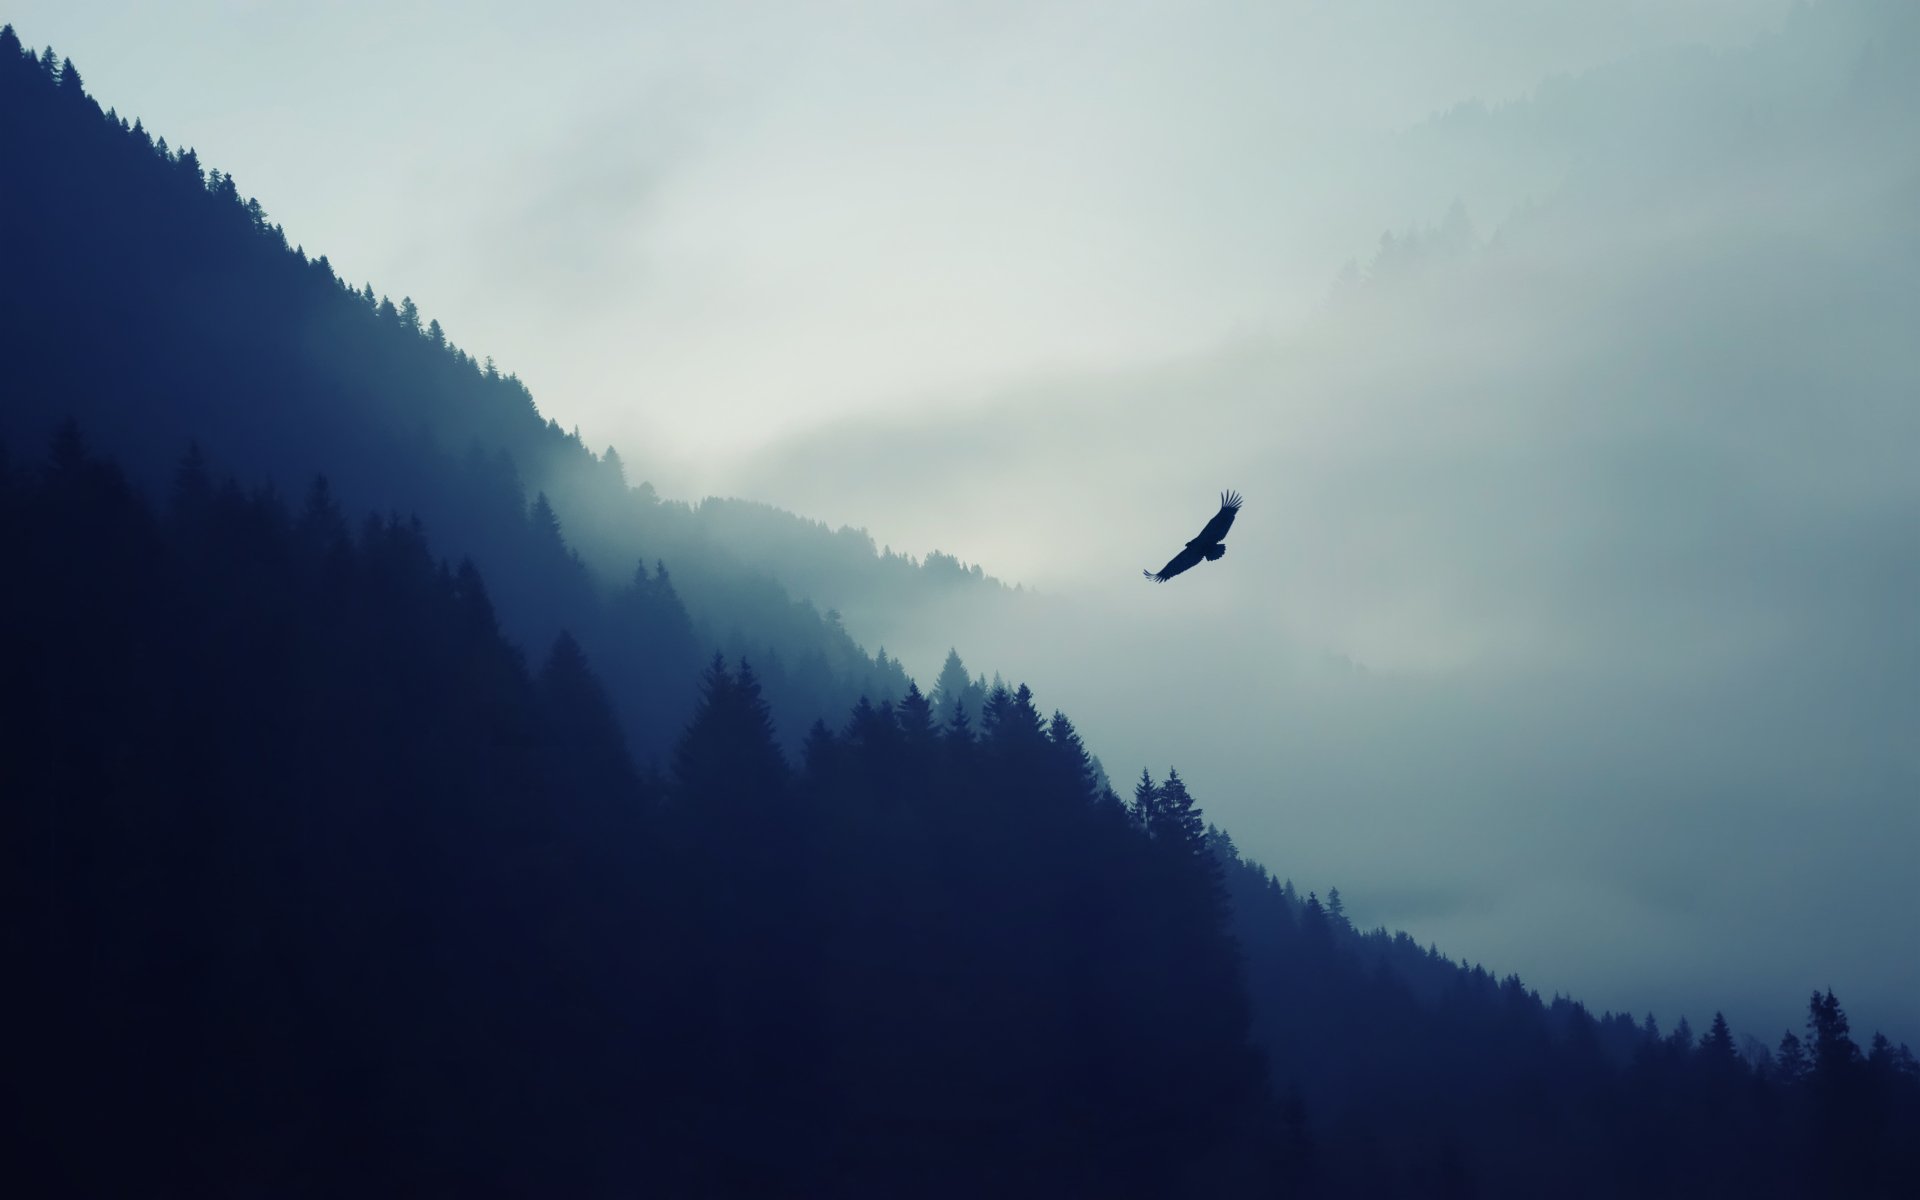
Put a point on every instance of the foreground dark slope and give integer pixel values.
(313, 888)
(316, 888)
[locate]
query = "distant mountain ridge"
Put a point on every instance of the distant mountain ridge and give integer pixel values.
(882, 596)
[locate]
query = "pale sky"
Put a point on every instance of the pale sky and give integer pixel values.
(695, 226)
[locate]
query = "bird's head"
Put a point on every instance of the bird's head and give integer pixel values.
(1216, 551)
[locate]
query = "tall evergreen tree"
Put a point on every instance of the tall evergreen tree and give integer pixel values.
(1717, 1055)
(1790, 1060)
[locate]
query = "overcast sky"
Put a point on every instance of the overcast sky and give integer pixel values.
(1570, 621)
(695, 225)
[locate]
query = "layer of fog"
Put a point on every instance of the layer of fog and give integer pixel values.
(1570, 622)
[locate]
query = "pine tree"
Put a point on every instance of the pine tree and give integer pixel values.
(728, 759)
(958, 731)
(994, 715)
(1024, 718)
(1145, 807)
(744, 981)
(1790, 1060)
(545, 524)
(592, 751)
(818, 753)
(1833, 1052)
(916, 717)
(1180, 825)
(1070, 758)
(1679, 1043)
(1717, 1055)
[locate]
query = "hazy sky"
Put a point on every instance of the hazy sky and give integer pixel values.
(1570, 622)
(696, 225)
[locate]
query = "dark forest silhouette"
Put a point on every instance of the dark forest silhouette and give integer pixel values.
(319, 884)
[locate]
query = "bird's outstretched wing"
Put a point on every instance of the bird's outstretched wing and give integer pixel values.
(1178, 563)
(1222, 521)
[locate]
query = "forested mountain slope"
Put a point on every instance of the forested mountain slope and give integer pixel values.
(316, 885)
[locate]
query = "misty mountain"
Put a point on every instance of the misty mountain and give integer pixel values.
(882, 596)
(1664, 115)
(319, 886)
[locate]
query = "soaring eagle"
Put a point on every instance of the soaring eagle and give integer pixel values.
(1208, 545)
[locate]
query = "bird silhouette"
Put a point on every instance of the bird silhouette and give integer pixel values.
(1208, 546)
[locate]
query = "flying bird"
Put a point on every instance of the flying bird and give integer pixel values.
(1208, 545)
